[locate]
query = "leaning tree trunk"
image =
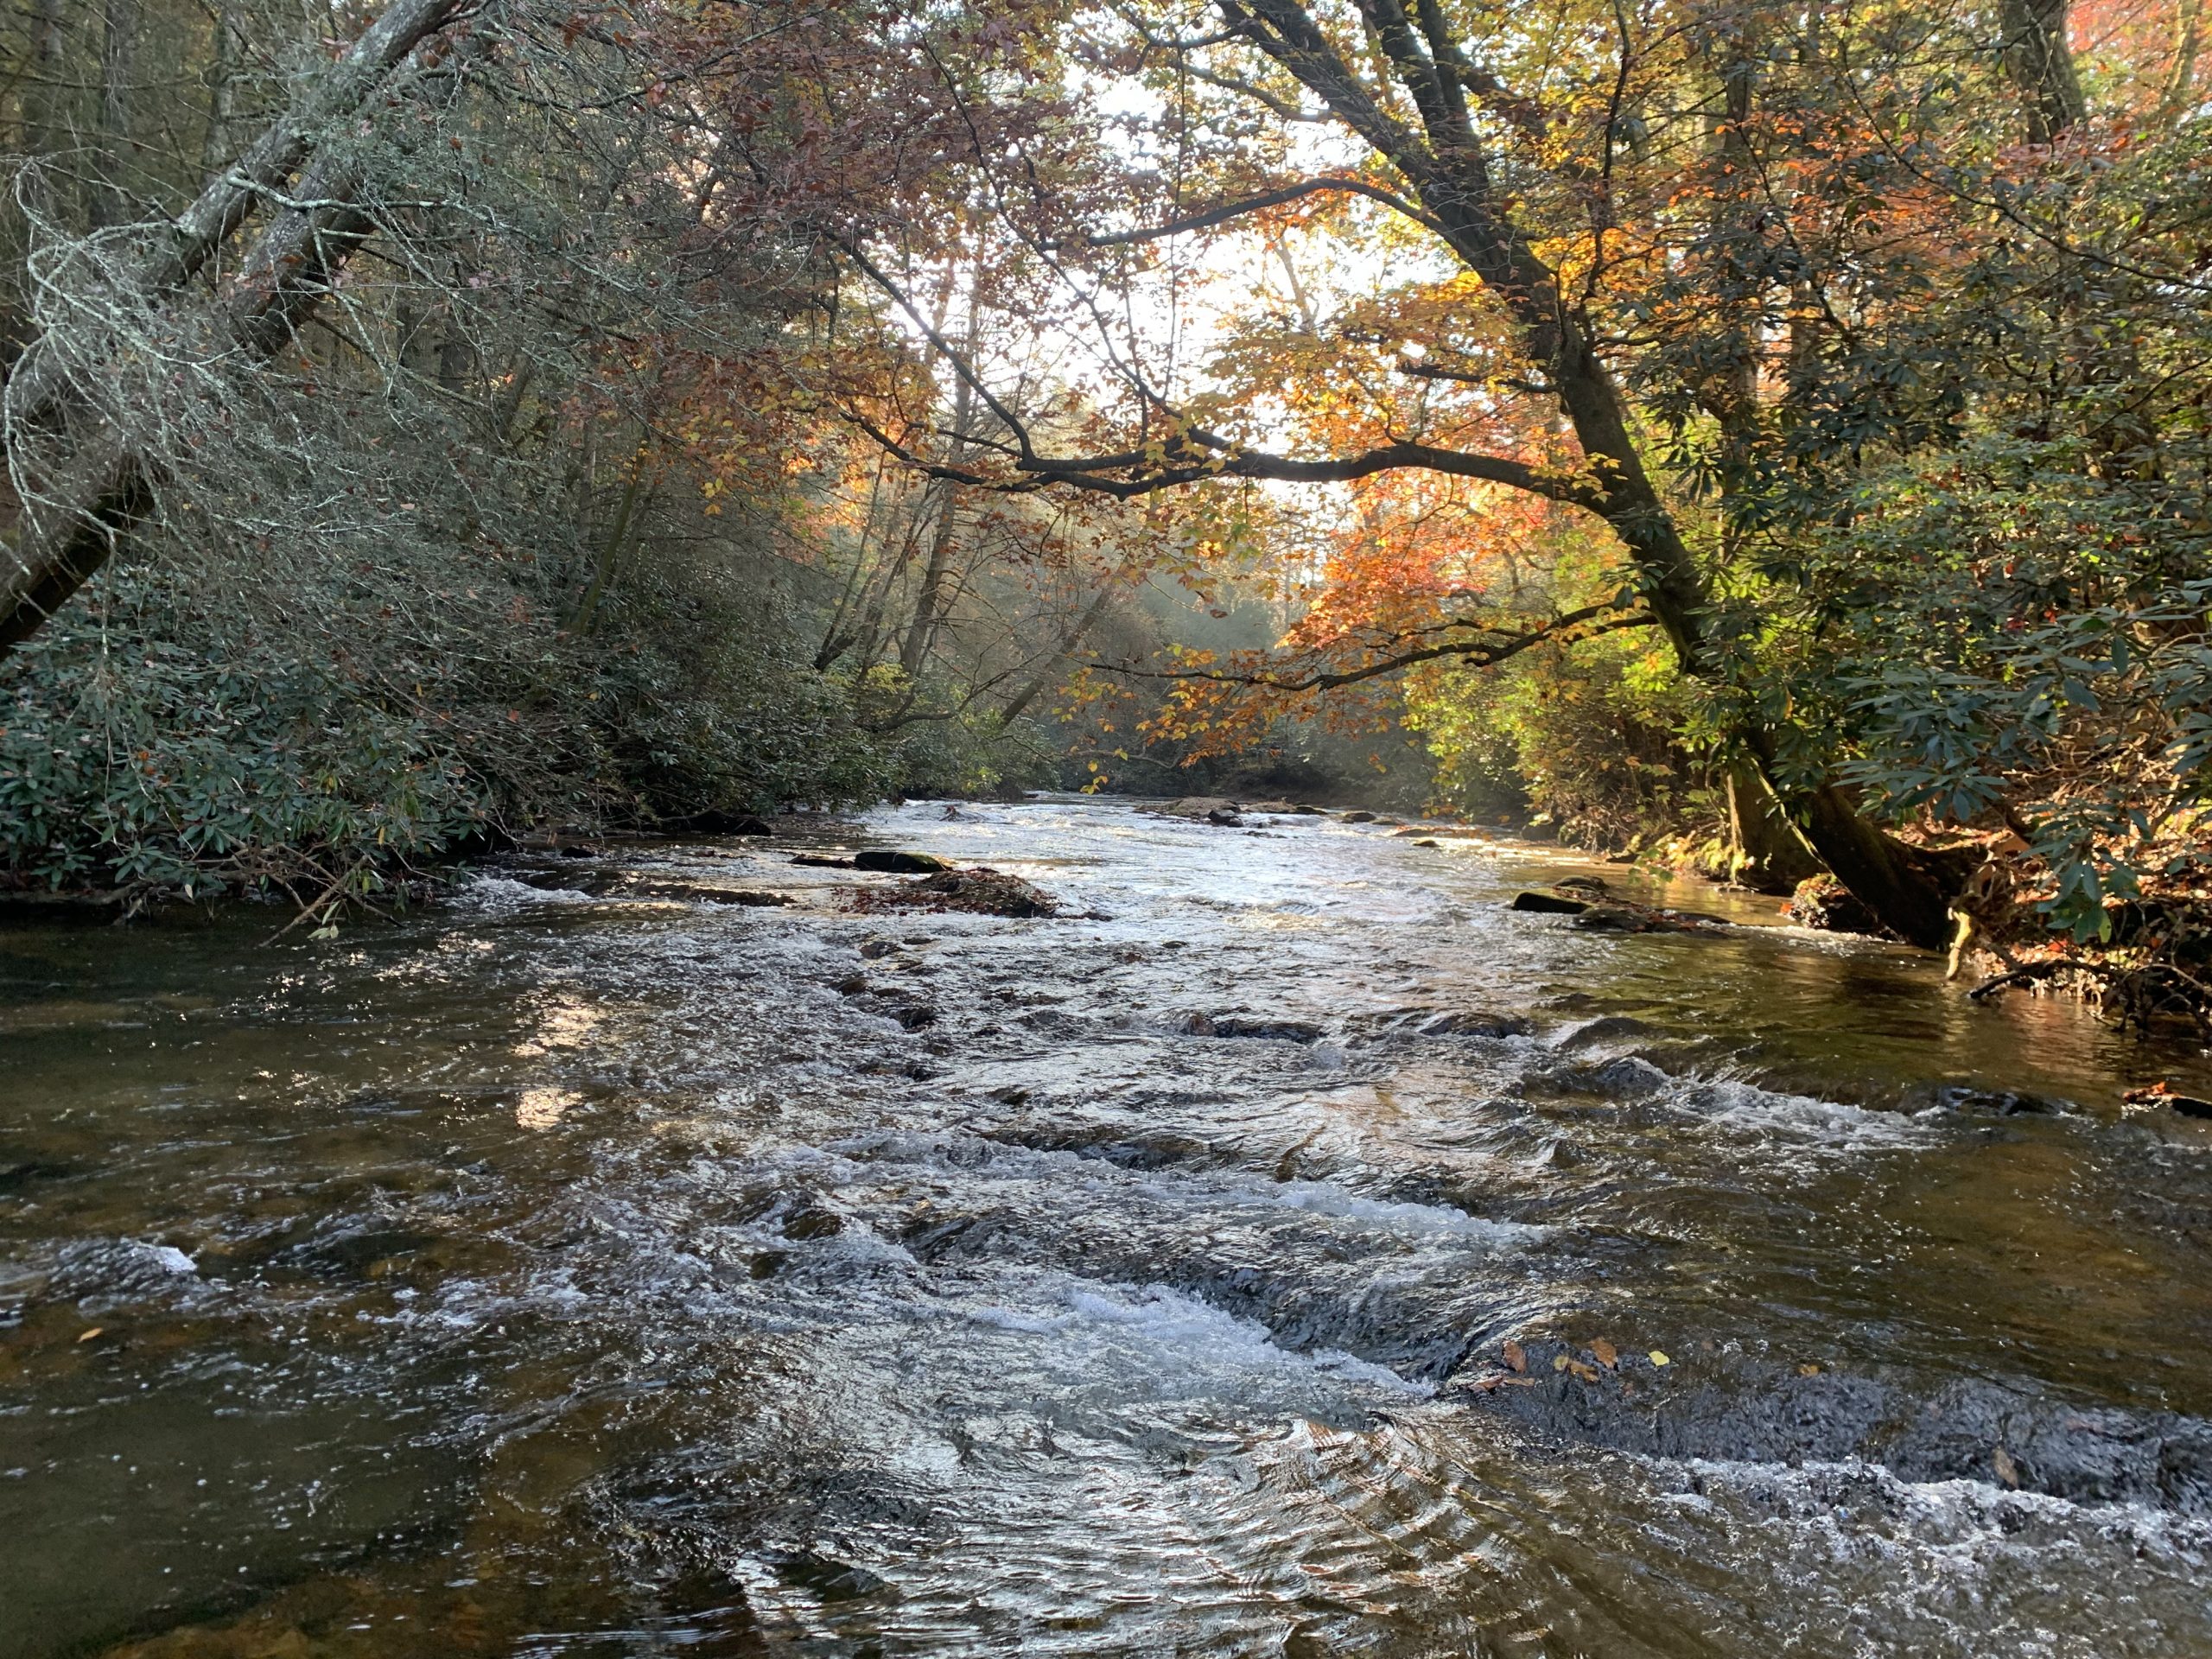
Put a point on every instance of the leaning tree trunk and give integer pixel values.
(1767, 851)
(101, 482)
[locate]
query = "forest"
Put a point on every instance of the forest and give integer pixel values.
(1766, 438)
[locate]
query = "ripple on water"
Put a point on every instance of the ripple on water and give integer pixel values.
(690, 1301)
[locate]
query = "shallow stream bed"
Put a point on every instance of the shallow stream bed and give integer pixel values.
(1300, 1252)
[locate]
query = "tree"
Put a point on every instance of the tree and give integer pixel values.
(1687, 247)
(82, 457)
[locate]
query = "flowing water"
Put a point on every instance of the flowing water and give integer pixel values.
(557, 1274)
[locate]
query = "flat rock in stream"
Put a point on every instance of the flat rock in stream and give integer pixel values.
(1739, 1409)
(980, 891)
(750, 898)
(1194, 806)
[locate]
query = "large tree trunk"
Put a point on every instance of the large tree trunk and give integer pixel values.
(930, 600)
(223, 57)
(1767, 851)
(111, 197)
(101, 482)
(2041, 63)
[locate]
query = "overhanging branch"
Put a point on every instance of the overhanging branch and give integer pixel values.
(1289, 192)
(1475, 653)
(1196, 455)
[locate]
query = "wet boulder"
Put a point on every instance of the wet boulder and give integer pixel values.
(1474, 1022)
(1196, 806)
(900, 863)
(1603, 1029)
(1545, 904)
(597, 883)
(1245, 1025)
(1823, 902)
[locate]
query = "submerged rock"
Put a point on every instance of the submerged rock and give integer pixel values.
(1244, 1025)
(753, 898)
(1474, 1022)
(1740, 1409)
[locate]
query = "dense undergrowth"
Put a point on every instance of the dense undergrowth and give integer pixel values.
(151, 747)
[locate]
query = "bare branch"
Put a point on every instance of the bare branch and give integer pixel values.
(1477, 653)
(1222, 215)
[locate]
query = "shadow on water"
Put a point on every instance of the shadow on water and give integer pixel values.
(1300, 1254)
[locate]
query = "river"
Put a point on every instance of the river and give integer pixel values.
(1298, 1253)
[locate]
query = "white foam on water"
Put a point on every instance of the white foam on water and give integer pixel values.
(1799, 1120)
(1182, 1329)
(502, 895)
(1950, 1514)
(170, 1259)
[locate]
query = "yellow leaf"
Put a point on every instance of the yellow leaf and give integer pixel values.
(1808, 1370)
(96, 1330)
(1559, 1361)
(1658, 1358)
